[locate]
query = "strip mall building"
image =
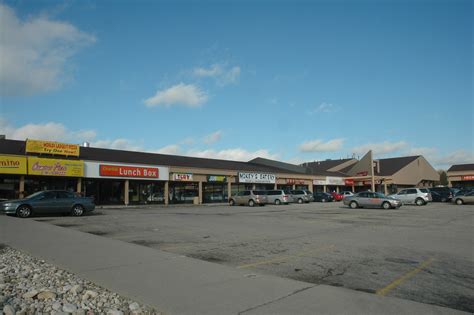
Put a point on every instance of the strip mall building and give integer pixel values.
(126, 177)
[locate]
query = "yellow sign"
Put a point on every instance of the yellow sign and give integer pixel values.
(12, 164)
(54, 167)
(50, 147)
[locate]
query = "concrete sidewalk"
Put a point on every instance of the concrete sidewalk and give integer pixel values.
(176, 284)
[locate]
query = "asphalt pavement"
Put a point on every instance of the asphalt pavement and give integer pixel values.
(177, 284)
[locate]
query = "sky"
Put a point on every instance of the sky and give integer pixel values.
(294, 81)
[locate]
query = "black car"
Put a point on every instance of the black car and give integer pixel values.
(323, 197)
(441, 196)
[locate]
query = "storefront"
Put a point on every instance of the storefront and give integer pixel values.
(113, 183)
(12, 168)
(461, 176)
(215, 189)
(183, 188)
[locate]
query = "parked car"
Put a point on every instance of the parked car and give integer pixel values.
(368, 199)
(301, 196)
(49, 201)
(277, 197)
(462, 191)
(337, 196)
(464, 198)
(445, 192)
(418, 196)
(441, 196)
(323, 197)
(347, 194)
(249, 197)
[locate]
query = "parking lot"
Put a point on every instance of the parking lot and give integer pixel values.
(423, 253)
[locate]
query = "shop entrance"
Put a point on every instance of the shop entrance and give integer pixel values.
(9, 187)
(37, 183)
(286, 188)
(183, 192)
(146, 192)
(104, 191)
(213, 192)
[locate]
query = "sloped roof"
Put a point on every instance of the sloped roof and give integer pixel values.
(390, 166)
(461, 167)
(324, 165)
(279, 165)
(121, 156)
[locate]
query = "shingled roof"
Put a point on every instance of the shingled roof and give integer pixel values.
(390, 166)
(461, 168)
(121, 156)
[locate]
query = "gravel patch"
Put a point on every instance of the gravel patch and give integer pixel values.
(33, 286)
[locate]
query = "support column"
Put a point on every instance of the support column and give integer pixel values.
(21, 189)
(275, 186)
(353, 187)
(324, 188)
(337, 189)
(200, 192)
(293, 187)
(125, 192)
(311, 189)
(79, 185)
(167, 193)
(229, 189)
(385, 187)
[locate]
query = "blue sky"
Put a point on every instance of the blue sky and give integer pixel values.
(289, 80)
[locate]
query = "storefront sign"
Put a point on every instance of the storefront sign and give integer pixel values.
(336, 181)
(217, 178)
(364, 173)
(368, 182)
(319, 182)
(293, 181)
(55, 167)
(12, 164)
(467, 177)
(125, 171)
(348, 182)
(183, 177)
(128, 171)
(258, 178)
(51, 147)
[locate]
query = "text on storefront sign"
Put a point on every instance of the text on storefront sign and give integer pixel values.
(12, 165)
(51, 147)
(257, 178)
(182, 177)
(55, 167)
(128, 171)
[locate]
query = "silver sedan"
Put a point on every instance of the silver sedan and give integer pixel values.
(368, 199)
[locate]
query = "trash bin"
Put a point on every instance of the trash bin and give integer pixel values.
(196, 200)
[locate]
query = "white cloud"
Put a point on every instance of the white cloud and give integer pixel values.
(235, 154)
(456, 157)
(172, 149)
(117, 144)
(181, 94)
(381, 148)
(321, 146)
(34, 52)
(213, 137)
(220, 72)
(325, 108)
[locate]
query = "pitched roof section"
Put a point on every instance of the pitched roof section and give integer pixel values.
(390, 166)
(461, 168)
(322, 167)
(16, 147)
(279, 165)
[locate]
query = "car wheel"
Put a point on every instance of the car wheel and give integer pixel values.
(231, 202)
(251, 203)
(77, 211)
(23, 211)
(353, 205)
(419, 202)
(278, 202)
(386, 205)
(459, 201)
(323, 200)
(300, 200)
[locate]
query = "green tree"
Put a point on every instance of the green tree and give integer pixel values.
(443, 177)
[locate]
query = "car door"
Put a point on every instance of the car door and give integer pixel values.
(64, 201)
(375, 200)
(402, 195)
(469, 197)
(411, 195)
(45, 203)
(363, 199)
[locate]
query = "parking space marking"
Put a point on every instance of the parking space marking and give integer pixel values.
(286, 258)
(405, 277)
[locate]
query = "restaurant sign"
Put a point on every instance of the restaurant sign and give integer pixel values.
(186, 177)
(467, 177)
(258, 178)
(217, 178)
(128, 171)
(294, 181)
(12, 164)
(51, 147)
(55, 167)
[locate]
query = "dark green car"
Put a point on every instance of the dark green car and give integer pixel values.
(48, 201)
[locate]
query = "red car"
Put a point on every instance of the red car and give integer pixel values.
(337, 196)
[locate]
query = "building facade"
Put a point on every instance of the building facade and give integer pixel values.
(461, 176)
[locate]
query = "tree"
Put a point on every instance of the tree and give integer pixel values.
(443, 177)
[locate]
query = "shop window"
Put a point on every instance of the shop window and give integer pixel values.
(183, 192)
(214, 192)
(9, 188)
(146, 192)
(38, 183)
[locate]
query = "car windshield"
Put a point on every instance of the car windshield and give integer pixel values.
(36, 194)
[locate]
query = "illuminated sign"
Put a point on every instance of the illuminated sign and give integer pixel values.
(55, 167)
(12, 165)
(128, 171)
(258, 178)
(293, 181)
(182, 177)
(51, 147)
(216, 178)
(467, 177)
(349, 182)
